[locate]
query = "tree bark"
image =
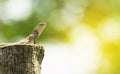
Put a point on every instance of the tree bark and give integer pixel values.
(21, 59)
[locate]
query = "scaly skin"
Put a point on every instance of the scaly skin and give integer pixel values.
(36, 33)
(29, 39)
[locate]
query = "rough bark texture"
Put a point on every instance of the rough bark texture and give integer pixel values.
(21, 59)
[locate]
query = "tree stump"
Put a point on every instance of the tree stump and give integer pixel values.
(21, 59)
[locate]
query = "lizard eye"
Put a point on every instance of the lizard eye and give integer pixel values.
(42, 23)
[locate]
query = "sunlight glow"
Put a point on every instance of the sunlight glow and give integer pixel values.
(18, 9)
(79, 57)
(86, 49)
(110, 30)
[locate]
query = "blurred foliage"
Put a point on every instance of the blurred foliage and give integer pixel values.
(41, 11)
(62, 16)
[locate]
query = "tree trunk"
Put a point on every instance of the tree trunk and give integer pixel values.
(21, 59)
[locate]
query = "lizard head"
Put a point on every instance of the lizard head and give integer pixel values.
(40, 27)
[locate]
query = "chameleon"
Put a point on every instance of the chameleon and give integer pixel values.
(30, 39)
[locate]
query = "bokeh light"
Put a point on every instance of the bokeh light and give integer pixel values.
(82, 36)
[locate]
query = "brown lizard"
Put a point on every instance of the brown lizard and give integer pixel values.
(29, 39)
(36, 32)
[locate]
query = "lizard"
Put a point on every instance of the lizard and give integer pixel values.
(35, 34)
(30, 39)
